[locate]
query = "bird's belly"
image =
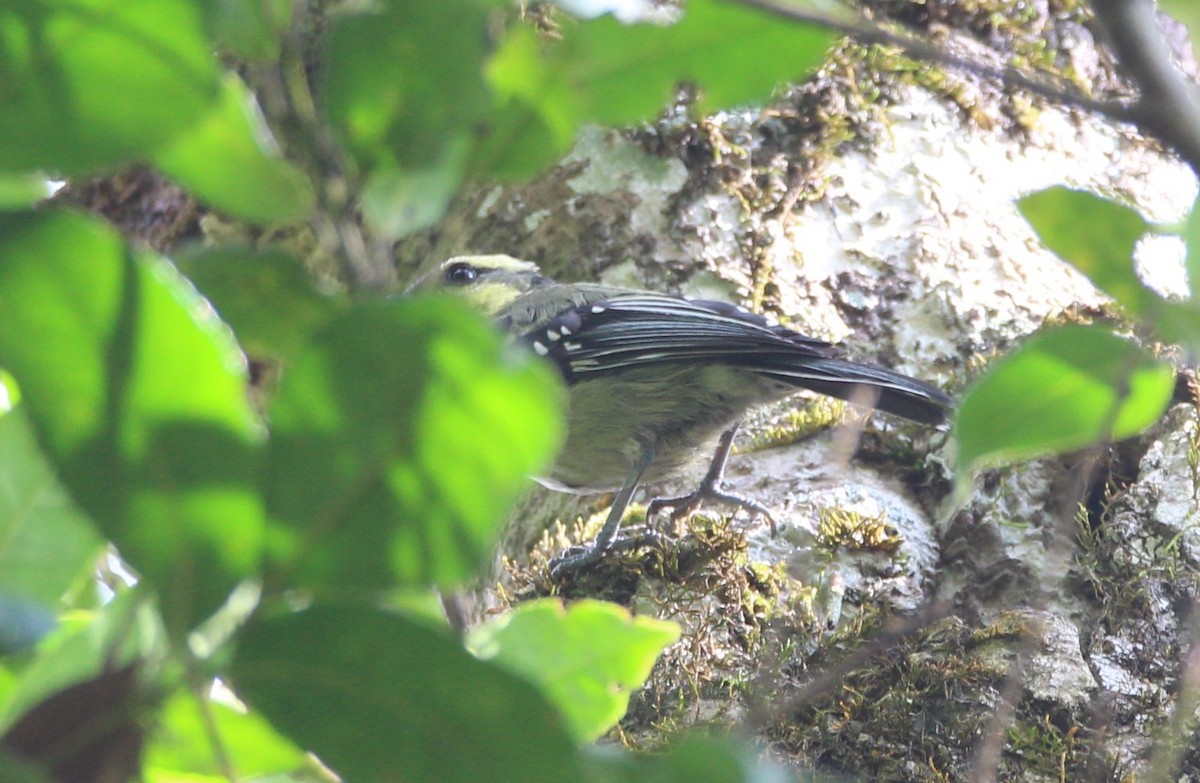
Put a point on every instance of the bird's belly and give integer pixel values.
(602, 470)
(680, 411)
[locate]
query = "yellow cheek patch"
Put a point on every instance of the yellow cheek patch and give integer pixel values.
(488, 298)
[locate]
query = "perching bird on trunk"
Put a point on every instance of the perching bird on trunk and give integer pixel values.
(652, 378)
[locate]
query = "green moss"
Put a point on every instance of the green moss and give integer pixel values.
(1044, 747)
(795, 425)
(838, 528)
(1009, 626)
(940, 683)
(864, 727)
(1022, 30)
(740, 618)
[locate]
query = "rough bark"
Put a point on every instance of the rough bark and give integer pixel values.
(1037, 631)
(884, 634)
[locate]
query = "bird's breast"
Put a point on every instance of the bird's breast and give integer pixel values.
(678, 410)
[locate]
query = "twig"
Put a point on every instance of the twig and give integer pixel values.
(896, 631)
(336, 219)
(200, 687)
(872, 33)
(988, 751)
(1169, 107)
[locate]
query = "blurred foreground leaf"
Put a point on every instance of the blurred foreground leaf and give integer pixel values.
(228, 159)
(587, 658)
(84, 647)
(181, 746)
(138, 395)
(379, 697)
(1097, 237)
(613, 73)
(267, 298)
(1060, 391)
(89, 83)
(400, 438)
(46, 545)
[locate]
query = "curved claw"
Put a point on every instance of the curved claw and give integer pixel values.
(710, 489)
(681, 506)
(577, 558)
(573, 559)
(685, 505)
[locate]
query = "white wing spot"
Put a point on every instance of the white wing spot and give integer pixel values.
(553, 335)
(597, 309)
(564, 330)
(540, 349)
(573, 346)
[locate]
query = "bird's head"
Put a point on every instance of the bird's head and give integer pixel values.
(489, 283)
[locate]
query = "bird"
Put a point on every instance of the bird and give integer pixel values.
(654, 378)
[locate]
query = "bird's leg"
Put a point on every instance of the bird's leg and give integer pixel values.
(710, 489)
(606, 539)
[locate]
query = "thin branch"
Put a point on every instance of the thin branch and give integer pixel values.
(201, 686)
(1060, 546)
(897, 630)
(1169, 106)
(871, 33)
(336, 220)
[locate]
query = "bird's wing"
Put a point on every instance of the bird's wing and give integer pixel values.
(636, 329)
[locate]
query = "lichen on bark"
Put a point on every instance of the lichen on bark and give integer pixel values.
(873, 205)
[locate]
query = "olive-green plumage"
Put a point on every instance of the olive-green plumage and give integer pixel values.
(654, 379)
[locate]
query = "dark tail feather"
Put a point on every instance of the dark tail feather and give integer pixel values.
(895, 393)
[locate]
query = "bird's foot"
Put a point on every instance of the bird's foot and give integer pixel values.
(577, 558)
(685, 505)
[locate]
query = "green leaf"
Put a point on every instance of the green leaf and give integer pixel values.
(22, 190)
(229, 160)
(399, 440)
(1191, 237)
(90, 82)
(138, 395)
(14, 770)
(406, 89)
(268, 298)
(587, 658)
(1097, 237)
(406, 84)
(252, 29)
(609, 72)
(181, 744)
(1062, 390)
(627, 73)
(380, 697)
(46, 545)
(536, 111)
(399, 201)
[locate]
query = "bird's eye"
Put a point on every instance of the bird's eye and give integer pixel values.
(461, 274)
